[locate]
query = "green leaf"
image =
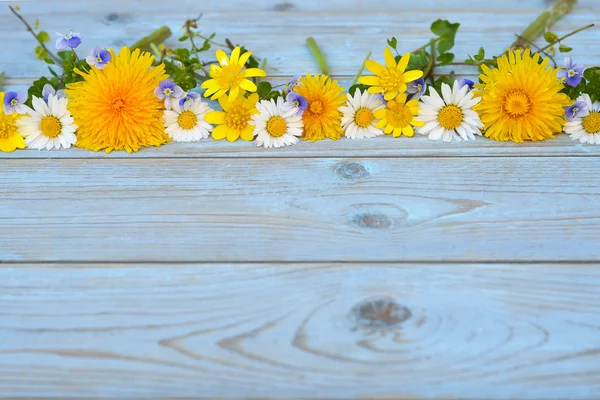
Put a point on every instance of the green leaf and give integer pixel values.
(392, 43)
(48, 60)
(53, 72)
(43, 37)
(480, 55)
(550, 37)
(592, 74)
(442, 27)
(445, 59)
(182, 53)
(564, 49)
(358, 86)
(445, 44)
(40, 52)
(37, 24)
(263, 89)
(184, 38)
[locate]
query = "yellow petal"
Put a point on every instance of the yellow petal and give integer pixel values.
(222, 57)
(220, 132)
(413, 75)
(248, 85)
(416, 122)
(381, 124)
(252, 72)
(390, 95)
(379, 114)
(18, 141)
(248, 133)
(232, 134)
(408, 131)
(224, 103)
(375, 90)
(235, 56)
(7, 146)
(401, 98)
(219, 94)
(369, 80)
(397, 132)
(215, 117)
(388, 129)
(390, 62)
(374, 67)
(234, 93)
(251, 101)
(244, 57)
(413, 103)
(403, 62)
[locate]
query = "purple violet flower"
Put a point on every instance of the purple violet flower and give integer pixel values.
(381, 97)
(573, 73)
(14, 102)
(462, 82)
(48, 90)
(190, 96)
(417, 88)
(98, 58)
(69, 41)
(297, 101)
(579, 109)
(169, 91)
(295, 81)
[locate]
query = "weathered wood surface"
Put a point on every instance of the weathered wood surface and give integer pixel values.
(377, 209)
(327, 226)
(312, 330)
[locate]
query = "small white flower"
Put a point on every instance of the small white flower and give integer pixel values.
(586, 126)
(277, 124)
(450, 116)
(48, 126)
(358, 120)
(186, 123)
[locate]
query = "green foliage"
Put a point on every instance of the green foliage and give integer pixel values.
(38, 86)
(590, 84)
(265, 91)
(564, 49)
(437, 84)
(358, 86)
(1, 80)
(550, 37)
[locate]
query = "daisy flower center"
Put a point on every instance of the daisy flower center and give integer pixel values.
(50, 126)
(229, 77)
(450, 117)
(316, 107)
(276, 126)
(363, 117)
(187, 120)
(591, 123)
(237, 118)
(6, 130)
(390, 80)
(517, 103)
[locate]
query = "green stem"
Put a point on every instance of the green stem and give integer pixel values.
(212, 41)
(430, 43)
(319, 57)
(555, 12)
(564, 37)
(431, 64)
(361, 69)
(191, 36)
(156, 37)
(1, 80)
(56, 60)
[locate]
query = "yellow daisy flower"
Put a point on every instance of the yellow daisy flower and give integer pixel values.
(231, 76)
(399, 116)
(10, 138)
(520, 99)
(233, 121)
(391, 79)
(322, 118)
(115, 107)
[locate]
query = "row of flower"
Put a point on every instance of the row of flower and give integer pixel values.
(125, 103)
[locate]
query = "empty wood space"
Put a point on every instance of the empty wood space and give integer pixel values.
(383, 268)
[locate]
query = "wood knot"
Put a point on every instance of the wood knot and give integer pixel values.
(371, 221)
(116, 18)
(379, 313)
(285, 6)
(351, 171)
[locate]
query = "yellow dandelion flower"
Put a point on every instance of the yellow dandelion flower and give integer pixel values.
(399, 116)
(115, 107)
(520, 99)
(230, 76)
(390, 79)
(10, 138)
(233, 121)
(322, 117)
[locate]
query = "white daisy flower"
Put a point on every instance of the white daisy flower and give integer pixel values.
(184, 122)
(450, 116)
(48, 126)
(277, 124)
(358, 120)
(585, 126)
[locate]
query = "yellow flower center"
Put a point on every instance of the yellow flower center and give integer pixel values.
(118, 105)
(276, 126)
(50, 126)
(7, 129)
(229, 77)
(363, 117)
(390, 80)
(591, 123)
(237, 118)
(398, 115)
(187, 120)
(517, 103)
(450, 117)
(316, 107)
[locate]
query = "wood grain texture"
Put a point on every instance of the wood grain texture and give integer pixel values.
(300, 209)
(319, 331)
(345, 35)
